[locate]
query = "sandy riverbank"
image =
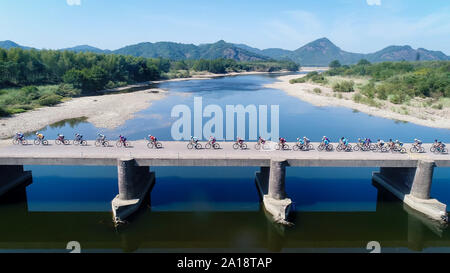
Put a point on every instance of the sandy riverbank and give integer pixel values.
(107, 111)
(425, 116)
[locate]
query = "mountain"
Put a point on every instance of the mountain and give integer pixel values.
(168, 50)
(317, 53)
(177, 51)
(10, 44)
(86, 48)
(407, 53)
(322, 51)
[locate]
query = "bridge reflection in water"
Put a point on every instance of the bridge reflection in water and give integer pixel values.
(393, 225)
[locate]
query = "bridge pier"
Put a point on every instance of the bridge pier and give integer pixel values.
(270, 182)
(12, 177)
(135, 183)
(413, 186)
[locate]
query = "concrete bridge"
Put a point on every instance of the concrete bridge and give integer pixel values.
(407, 176)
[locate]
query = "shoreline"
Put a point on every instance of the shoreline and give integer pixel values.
(108, 111)
(304, 91)
(105, 111)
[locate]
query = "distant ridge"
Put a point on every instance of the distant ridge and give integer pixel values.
(316, 53)
(10, 44)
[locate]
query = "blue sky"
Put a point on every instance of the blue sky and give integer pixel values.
(354, 25)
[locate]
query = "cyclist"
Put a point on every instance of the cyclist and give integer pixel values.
(391, 143)
(122, 139)
(39, 136)
(417, 143)
(78, 137)
(212, 140)
(61, 137)
(194, 139)
(240, 141)
(325, 140)
(282, 140)
(367, 142)
(152, 138)
(19, 136)
(261, 140)
(101, 137)
(344, 141)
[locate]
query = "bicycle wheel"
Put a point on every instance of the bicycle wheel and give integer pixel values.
(119, 144)
(216, 146)
(320, 148)
(57, 142)
(338, 148)
(190, 146)
(76, 142)
(445, 151)
(158, 145)
(356, 148)
(257, 146)
(296, 147)
(15, 141)
(277, 147)
(105, 143)
(310, 147)
(24, 142)
(422, 150)
(244, 146)
(208, 146)
(235, 146)
(98, 143)
(66, 142)
(150, 145)
(198, 146)
(45, 142)
(402, 150)
(83, 143)
(413, 150)
(330, 148)
(37, 142)
(285, 147)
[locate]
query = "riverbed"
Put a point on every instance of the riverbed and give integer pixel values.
(218, 209)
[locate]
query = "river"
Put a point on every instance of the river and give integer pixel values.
(218, 209)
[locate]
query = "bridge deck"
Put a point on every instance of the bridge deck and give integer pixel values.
(175, 153)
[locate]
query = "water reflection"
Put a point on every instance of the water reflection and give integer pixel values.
(242, 231)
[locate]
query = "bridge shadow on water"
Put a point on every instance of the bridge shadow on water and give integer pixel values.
(393, 225)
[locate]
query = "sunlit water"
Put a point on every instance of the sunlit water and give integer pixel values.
(218, 209)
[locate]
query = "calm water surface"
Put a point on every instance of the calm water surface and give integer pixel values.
(218, 209)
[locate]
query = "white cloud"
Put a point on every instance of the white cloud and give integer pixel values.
(373, 2)
(74, 2)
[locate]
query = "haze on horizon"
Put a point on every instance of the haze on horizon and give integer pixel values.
(362, 26)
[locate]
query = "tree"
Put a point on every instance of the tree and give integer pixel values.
(363, 62)
(335, 64)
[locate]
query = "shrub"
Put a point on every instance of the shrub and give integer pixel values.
(396, 99)
(3, 112)
(345, 86)
(67, 90)
(438, 106)
(357, 97)
(298, 80)
(317, 90)
(50, 99)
